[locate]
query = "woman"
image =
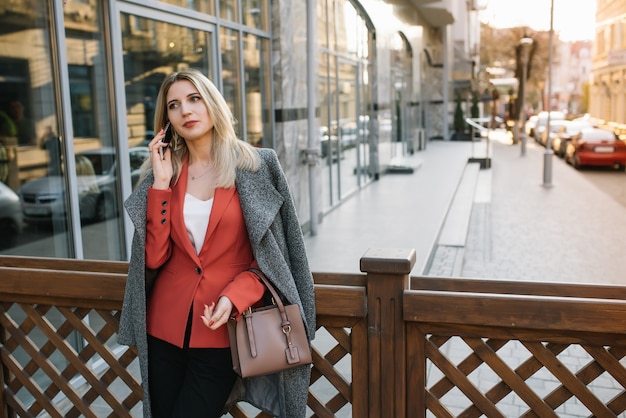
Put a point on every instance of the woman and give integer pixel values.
(208, 208)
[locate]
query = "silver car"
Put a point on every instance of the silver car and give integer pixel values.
(44, 199)
(11, 219)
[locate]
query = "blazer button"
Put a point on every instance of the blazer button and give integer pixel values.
(163, 212)
(198, 270)
(163, 221)
(164, 203)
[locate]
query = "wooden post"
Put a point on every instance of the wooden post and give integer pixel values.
(388, 272)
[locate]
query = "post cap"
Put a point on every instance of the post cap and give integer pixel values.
(388, 260)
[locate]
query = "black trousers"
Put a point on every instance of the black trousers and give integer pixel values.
(188, 382)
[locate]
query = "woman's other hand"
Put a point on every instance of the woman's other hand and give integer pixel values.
(217, 315)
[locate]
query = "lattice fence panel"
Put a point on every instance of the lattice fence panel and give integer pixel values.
(62, 362)
(65, 362)
(517, 377)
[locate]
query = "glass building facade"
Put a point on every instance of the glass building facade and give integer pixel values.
(79, 80)
(78, 86)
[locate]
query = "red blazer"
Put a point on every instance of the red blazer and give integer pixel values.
(186, 278)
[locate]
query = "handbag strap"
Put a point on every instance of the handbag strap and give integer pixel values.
(283, 314)
(291, 351)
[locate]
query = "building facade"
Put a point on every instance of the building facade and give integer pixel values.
(607, 95)
(338, 88)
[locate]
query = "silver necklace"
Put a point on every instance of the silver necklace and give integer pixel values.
(201, 175)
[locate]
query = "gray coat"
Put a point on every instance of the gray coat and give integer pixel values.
(278, 247)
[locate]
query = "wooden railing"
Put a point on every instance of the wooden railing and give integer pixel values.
(388, 345)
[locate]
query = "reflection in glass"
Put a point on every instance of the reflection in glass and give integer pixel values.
(203, 6)
(347, 31)
(30, 141)
(148, 59)
(322, 24)
(401, 112)
(256, 14)
(345, 100)
(96, 164)
(256, 57)
(231, 88)
(229, 10)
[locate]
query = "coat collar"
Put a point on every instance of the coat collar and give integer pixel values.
(260, 201)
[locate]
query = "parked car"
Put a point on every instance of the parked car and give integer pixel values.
(44, 198)
(542, 122)
(529, 126)
(596, 147)
(565, 134)
(555, 127)
(11, 218)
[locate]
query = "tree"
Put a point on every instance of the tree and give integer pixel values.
(459, 118)
(474, 111)
(501, 48)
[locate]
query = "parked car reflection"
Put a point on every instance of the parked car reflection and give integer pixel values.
(11, 219)
(328, 143)
(596, 147)
(44, 199)
(348, 134)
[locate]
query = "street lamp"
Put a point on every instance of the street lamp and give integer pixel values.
(525, 44)
(547, 156)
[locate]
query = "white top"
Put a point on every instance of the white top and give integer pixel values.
(197, 213)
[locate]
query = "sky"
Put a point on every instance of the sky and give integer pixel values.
(573, 19)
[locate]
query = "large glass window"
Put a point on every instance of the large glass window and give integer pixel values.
(150, 54)
(256, 14)
(95, 165)
(402, 115)
(245, 66)
(231, 80)
(229, 10)
(29, 126)
(345, 99)
(204, 6)
(257, 87)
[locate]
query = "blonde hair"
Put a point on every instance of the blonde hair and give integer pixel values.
(227, 151)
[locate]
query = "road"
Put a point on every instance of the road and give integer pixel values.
(610, 181)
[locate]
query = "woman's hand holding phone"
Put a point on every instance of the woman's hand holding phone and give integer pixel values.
(161, 162)
(167, 138)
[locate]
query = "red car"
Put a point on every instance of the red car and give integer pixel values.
(596, 147)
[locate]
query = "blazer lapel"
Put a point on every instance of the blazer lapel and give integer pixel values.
(179, 229)
(221, 200)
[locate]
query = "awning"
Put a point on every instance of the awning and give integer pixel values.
(431, 13)
(435, 16)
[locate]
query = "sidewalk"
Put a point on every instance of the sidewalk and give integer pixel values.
(397, 211)
(499, 223)
(571, 232)
(493, 223)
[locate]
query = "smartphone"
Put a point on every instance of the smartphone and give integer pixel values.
(168, 134)
(166, 139)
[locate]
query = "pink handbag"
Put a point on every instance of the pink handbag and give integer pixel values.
(268, 339)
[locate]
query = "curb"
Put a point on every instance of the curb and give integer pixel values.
(447, 255)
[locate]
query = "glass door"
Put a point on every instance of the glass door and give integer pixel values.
(346, 128)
